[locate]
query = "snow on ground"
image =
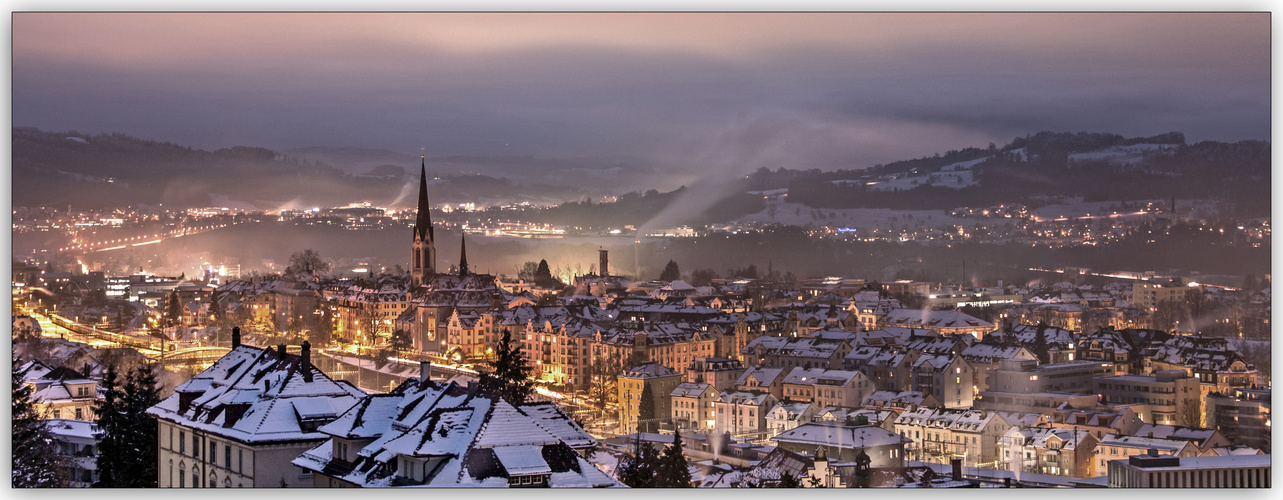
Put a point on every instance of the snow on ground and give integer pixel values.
(956, 179)
(800, 215)
(1121, 154)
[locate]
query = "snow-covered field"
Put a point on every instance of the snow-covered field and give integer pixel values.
(956, 179)
(1121, 154)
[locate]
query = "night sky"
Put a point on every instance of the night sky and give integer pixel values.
(794, 90)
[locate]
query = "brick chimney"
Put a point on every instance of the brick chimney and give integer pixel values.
(306, 365)
(236, 337)
(602, 266)
(425, 369)
(957, 468)
(280, 352)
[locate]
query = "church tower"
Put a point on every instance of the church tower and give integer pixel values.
(463, 255)
(423, 255)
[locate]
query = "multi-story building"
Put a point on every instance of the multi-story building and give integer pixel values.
(789, 414)
(1148, 296)
(64, 393)
(1045, 450)
(1026, 376)
(1242, 415)
(1159, 471)
(770, 380)
(1170, 397)
(940, 435)
(721, 373)
(240, 422)
(693, 406)
(827, 387)
(77, 444)
(947, 377)
(742, 414)
(790, 352)
(633, 382)
(887, 367)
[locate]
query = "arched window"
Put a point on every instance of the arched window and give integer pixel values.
(182, 475)
(213, 480)
(170, 483)
(195, 478)
(227, 482)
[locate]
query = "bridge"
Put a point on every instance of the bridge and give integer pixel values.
(150, 347)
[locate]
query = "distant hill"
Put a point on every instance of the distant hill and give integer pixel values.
(1095, 167)
(116, 170)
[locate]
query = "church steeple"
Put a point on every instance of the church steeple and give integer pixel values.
(463, 255)
(423, 223)
(423, 254)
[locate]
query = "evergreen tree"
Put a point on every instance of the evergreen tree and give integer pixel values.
(671, 272)
(646, 410)
(639, 470)
(127, 434)
(510, 378)
(142, 392)
(673, 471)
(109, 412)
(36, 463)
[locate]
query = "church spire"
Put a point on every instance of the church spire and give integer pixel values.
(423, 224)
(423, 252)
(463, 255)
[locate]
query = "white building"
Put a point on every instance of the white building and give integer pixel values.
(79, 449)
(240, 422)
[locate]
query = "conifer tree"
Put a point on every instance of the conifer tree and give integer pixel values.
(109, 415)
(671, 272)
(36, 463)
(646, 410)
(510, 378)
(127, 434)
(639, 470)
(673, 471)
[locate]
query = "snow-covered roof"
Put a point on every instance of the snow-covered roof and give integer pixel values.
(472, 439)
(269, 392)
(839, 435)
(649, 369)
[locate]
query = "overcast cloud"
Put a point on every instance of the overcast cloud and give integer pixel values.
(777, 90)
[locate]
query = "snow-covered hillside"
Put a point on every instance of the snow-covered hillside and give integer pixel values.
(1121, 154)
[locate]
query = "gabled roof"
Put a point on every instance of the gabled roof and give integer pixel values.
(464, 437)
(273, 393)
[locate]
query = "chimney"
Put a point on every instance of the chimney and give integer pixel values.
(236, 337)
(957, 468)
(425, 372)
(280, 352)
(1006, 482)
(602, 266)
(306, 365)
